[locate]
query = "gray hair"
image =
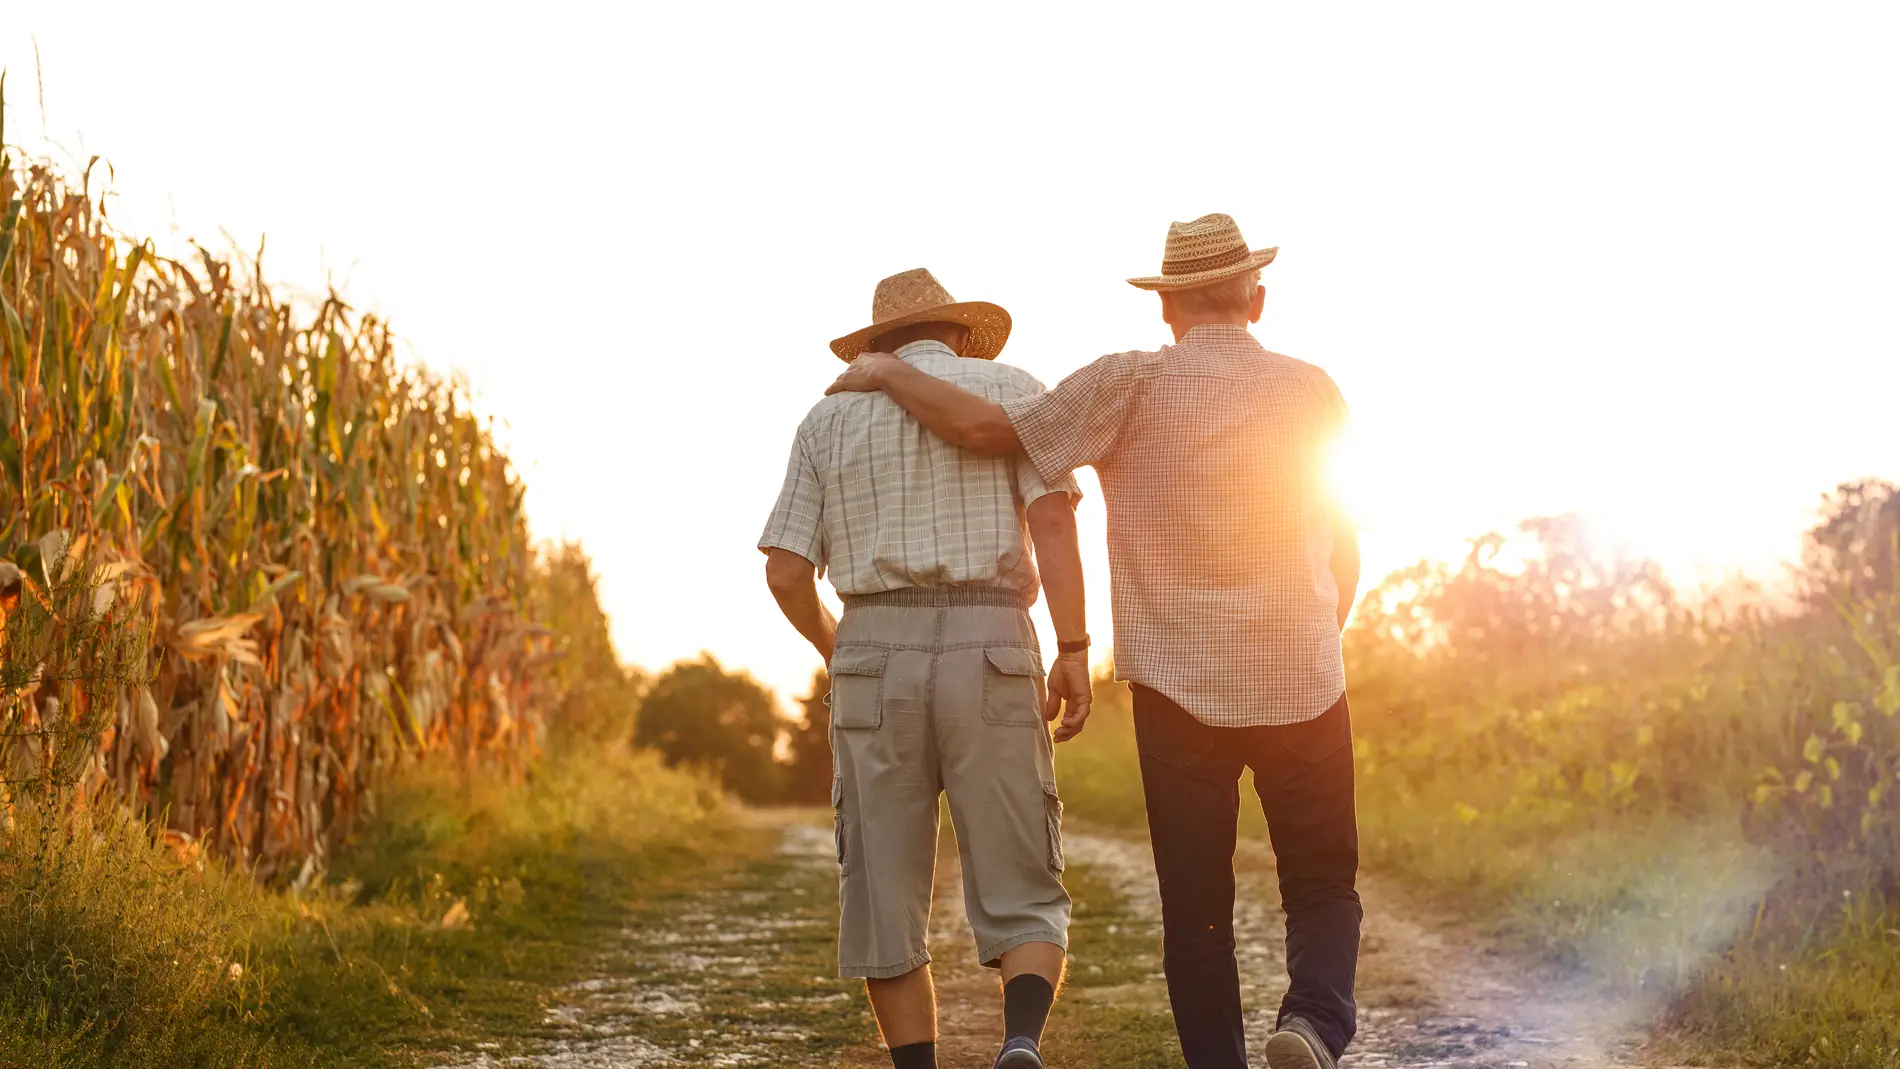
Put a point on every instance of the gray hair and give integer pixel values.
(1227, 295)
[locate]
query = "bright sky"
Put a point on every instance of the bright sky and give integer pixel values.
(1630, 260)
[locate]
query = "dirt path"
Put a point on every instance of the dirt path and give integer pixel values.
(739, 973)
(1429, 999)
(969, 1002)
(1430, 995)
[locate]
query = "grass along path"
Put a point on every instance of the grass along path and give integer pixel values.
(738, 971)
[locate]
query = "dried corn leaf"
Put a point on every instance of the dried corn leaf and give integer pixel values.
(217, 636)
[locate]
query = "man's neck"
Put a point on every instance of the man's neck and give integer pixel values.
(1181, 329)
(920, 345)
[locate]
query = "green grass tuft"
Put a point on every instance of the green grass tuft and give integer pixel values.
(450, 920)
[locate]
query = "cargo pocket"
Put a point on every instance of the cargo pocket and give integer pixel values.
(857, 687)
(837, 820)
(1011, 695)
(1052, 808)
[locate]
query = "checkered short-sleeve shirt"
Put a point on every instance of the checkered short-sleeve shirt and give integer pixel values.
(1220, 525)
(879, 503)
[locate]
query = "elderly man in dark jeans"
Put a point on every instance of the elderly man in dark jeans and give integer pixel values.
(1232, 573)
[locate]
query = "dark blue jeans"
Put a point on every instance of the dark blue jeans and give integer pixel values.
(1190, 773)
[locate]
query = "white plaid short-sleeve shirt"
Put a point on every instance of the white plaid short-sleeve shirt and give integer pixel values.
(1220, 524)
(881, 504)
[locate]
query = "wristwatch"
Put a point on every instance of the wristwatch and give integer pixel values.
(1080, 645)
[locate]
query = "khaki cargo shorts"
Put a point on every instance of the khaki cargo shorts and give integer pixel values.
(934, 692)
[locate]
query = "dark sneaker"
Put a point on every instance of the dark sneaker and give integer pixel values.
(1019, 1053)
(1296, 1045)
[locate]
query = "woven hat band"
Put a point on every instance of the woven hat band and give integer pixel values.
(1213, 262)
(1186, 261)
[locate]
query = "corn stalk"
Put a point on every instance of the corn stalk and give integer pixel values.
(332, 548)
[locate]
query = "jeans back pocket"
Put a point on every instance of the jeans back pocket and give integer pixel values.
(1317, 739)
(1169, 733)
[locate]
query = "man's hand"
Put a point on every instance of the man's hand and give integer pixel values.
(865, 375)
(1069, 682)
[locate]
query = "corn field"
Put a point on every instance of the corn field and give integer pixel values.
(327, 547)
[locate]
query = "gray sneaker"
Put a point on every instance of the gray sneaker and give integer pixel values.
(1296, 1045)
(1020, 1053)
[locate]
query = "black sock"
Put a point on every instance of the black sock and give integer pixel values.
(1026, 1002)
(914, 1056)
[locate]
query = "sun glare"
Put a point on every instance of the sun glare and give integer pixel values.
(1346, 475)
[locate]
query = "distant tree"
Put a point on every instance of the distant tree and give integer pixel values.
(808, 774)
(599, 695)
(1852, 552)
(699, 714)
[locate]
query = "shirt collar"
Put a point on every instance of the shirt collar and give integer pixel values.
(1228, 333)
(917, 349)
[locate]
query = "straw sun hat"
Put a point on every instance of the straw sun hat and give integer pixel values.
(916, 297)
(1206, 250)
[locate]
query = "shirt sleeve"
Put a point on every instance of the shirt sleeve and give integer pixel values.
(1030, 483)
(797, 522)
(1080, 421)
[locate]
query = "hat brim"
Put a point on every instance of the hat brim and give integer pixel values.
(1164, 283)
(988, 323)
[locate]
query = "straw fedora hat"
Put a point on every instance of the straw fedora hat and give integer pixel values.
(1206, 250)
(917, 297)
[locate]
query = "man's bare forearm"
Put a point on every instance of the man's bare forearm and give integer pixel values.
(1346, 573)
(964, 419)
(810, 616)
(1059, 559)
(794, 583)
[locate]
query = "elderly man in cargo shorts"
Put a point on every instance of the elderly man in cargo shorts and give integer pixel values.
(936, 674)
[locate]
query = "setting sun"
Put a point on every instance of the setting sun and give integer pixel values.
(1349, 476)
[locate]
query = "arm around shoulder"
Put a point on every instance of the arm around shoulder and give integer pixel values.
(964, 419)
